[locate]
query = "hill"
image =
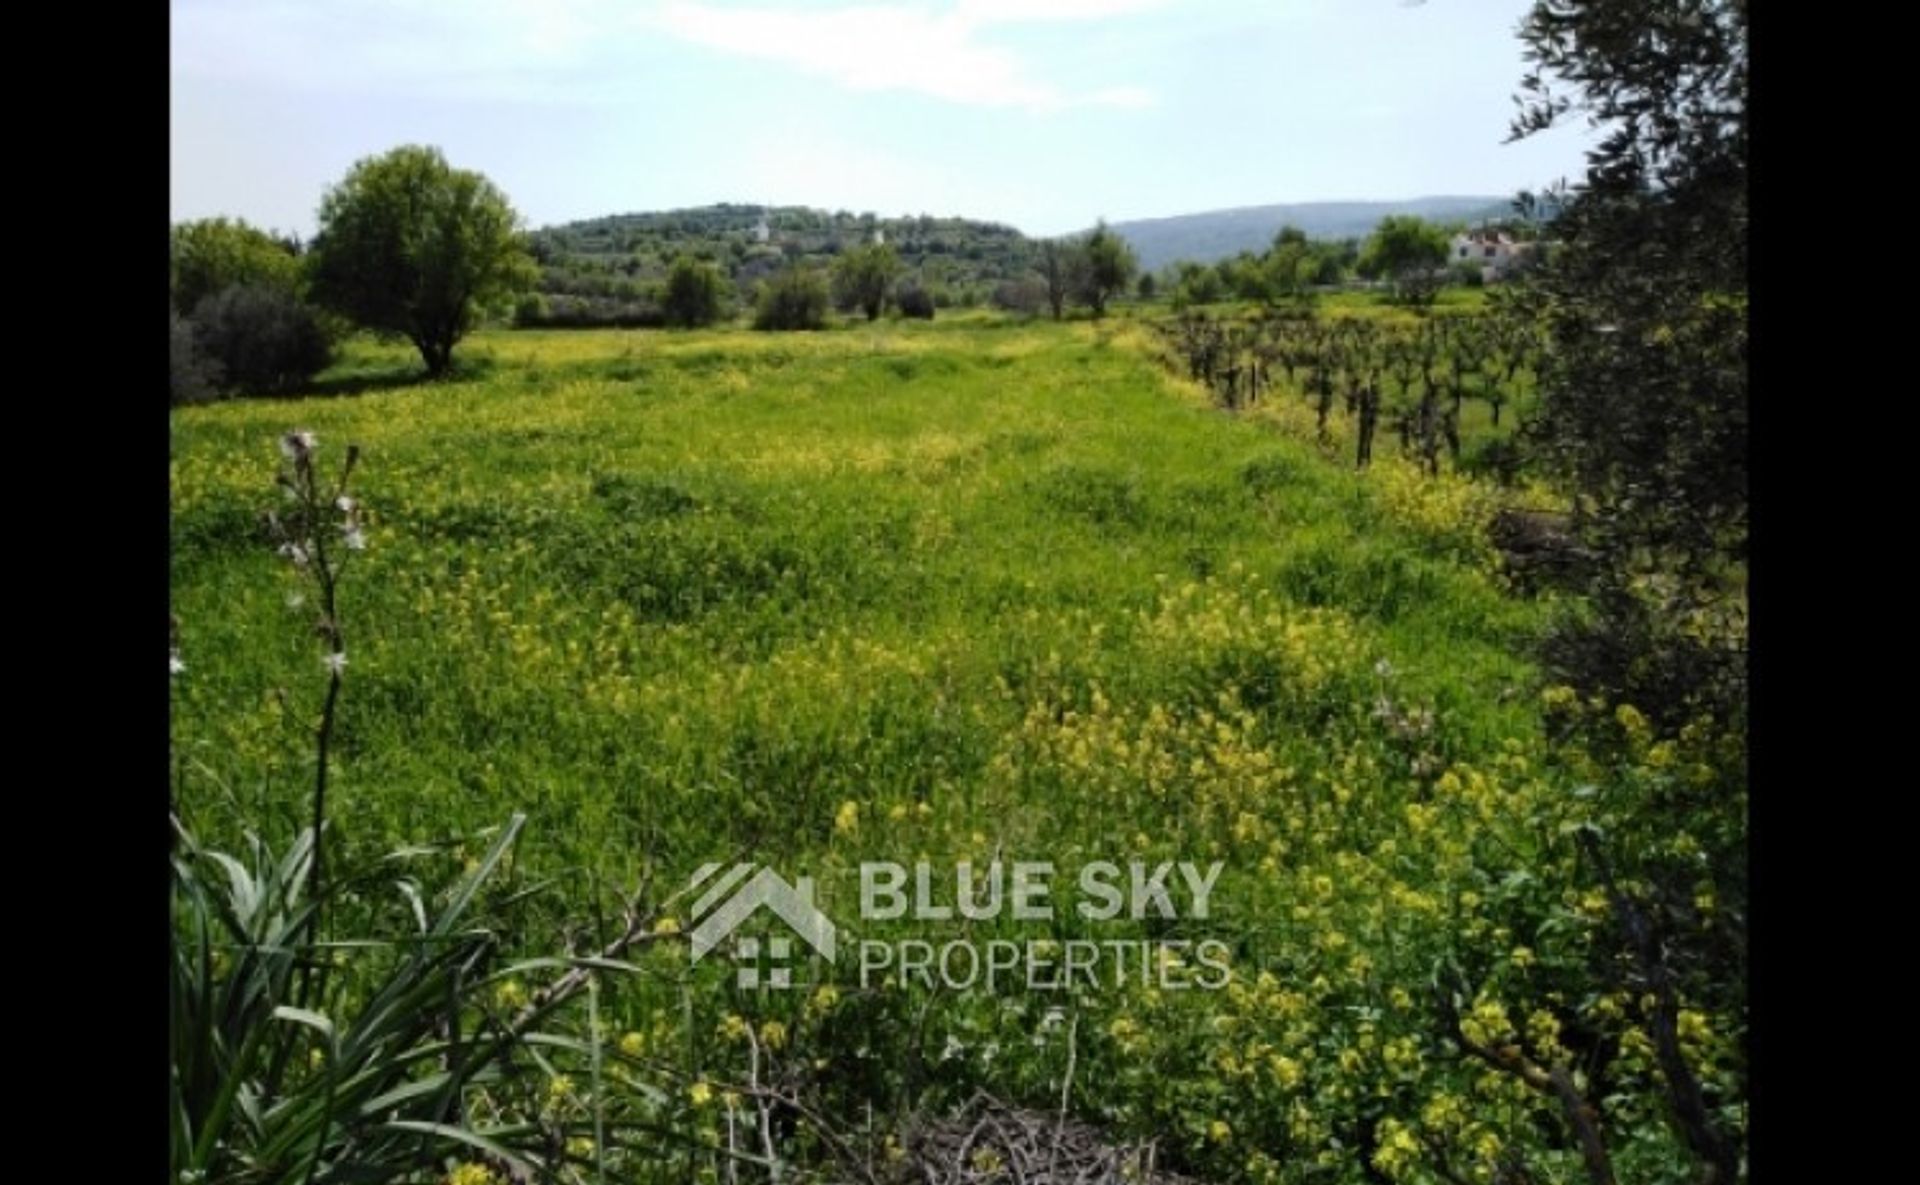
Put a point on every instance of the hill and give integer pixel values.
(619, 257)
(1220, 234)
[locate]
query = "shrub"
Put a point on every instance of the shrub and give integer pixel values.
(915, 301)
(530, 309)
(195, 377)
(1026, 296)
(263, 337)
(795, 298)
(695, 294)
(1500, 458)
(861, 277)
(560, 311)
(216, 253)
(1467, 273)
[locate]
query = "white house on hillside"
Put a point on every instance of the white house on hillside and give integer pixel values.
(1495, 251)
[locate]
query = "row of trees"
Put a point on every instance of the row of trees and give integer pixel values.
(1087, 272)
(868, 280)
(1406, 252)
(1285, 273)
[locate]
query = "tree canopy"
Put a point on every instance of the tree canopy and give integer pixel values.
(1062, 266)
(863, 277)
(410, 245)
(1110, 267)
(1405, 250)
(1645, 295)
(695, 293)
(212, 254)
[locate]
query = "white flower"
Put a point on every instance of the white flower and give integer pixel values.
(296, 553)
(296, 599)
(355, 537)
(295, 445)
(345, 504)
(337, 661)
(1383, 668)
(174, 665)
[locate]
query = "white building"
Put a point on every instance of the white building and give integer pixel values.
(762, 232)
(1495, 251)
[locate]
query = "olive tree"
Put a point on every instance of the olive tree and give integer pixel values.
(1110, 268)
(413, 247)
(1062, 267)
(863, 277)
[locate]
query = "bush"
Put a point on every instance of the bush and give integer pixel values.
(1467, 273)
(915, 301)
(795, 298)
(695, 294)
(263, 337)
(560, 311)
(195, 377)
(1500, 458)
(1027, 297)
(217, 253)
(531, 309)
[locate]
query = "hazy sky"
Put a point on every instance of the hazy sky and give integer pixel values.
(1040, 113)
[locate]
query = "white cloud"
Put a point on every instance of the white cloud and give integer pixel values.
(870, 47)
(571, 50)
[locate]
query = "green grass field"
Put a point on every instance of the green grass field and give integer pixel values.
(944, 590)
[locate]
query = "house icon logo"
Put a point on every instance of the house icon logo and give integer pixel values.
(736, 894)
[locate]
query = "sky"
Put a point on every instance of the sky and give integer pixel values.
(1042, 114)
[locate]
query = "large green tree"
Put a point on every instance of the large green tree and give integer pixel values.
(863, 277)
(212, 254)
(1644, 300)
(1643, 414)
(410, 245)
(1111, 265)
(1405, 250)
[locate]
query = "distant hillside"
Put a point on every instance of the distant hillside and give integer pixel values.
(616, 260)
(1220, 234)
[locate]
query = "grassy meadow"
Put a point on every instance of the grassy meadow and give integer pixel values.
(944, 590)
